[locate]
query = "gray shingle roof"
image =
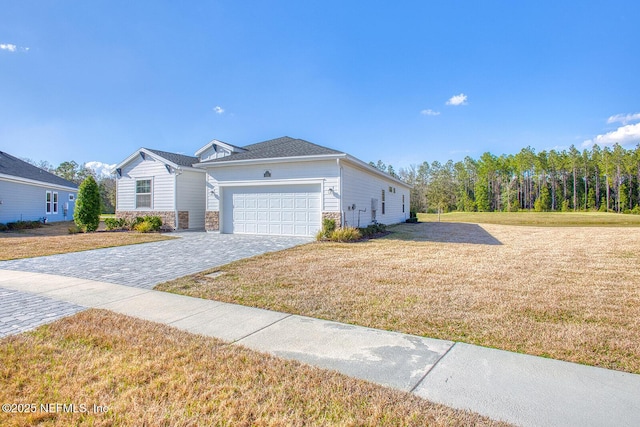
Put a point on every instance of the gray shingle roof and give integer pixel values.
(279, 147)
(13, 166)
(178, 159)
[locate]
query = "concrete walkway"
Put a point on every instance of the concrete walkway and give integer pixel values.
(520, 389)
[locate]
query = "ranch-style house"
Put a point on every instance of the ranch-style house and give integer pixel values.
(283, 186)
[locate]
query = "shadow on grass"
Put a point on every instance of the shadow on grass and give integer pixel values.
(443, 232)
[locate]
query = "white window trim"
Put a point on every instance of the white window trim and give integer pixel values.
(135, 193)
(48, 202)
(54, 202)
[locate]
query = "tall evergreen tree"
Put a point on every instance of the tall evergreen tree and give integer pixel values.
(87, 210)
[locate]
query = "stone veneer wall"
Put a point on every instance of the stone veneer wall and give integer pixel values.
(212, 220)
(333, 215)
(168, 217)
(183, 220)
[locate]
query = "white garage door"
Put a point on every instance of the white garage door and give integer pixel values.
(292, 210)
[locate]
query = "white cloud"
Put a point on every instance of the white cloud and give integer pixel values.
(9, 47)
(101, 169)
(458, 100)
(627, 134)
(430, 112)
(218, 109)
(624, 118)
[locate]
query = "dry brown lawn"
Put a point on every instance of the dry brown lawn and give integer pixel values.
(54, 239)
(154, 375)
(570, 293)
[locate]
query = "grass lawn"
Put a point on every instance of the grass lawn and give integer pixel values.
(570, 293)
(151, 374)
(547, 219)
(54, 238)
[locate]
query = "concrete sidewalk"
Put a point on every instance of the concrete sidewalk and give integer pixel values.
(521, 389)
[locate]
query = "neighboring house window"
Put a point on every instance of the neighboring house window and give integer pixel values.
(382, 202)
(48, 202)
(72, 197)
(55, 202)
(403, 203)
(143, 193)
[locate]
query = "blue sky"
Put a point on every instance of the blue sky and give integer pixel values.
(404, 82)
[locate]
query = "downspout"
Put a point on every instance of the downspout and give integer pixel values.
(340, 193)
(175, 197)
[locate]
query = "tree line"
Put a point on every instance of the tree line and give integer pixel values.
(597, 179)
(76, 173)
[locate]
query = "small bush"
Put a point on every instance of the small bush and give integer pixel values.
(636, 210)
(74, 229)
(143, 227)
(147, 224)
(3, 227)
(346, 234)
(372, 230)
(116, 224)
(23, 225)
(328, 226)
(155, 221)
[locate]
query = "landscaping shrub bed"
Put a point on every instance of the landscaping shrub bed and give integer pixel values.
(22, 225)
(145, 224)
(332, 233)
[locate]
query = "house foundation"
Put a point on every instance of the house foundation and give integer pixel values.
(212, 220)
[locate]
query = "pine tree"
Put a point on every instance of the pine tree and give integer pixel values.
(87, 211)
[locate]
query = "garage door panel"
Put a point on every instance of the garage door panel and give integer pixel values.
(281, 210)
(287, 203)
(288, 216)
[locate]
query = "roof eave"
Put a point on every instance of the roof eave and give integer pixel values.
(36, 182)
(150, 153)
(268, 160)
(370, 168)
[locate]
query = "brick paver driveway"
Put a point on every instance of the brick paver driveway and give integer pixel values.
(145, 265)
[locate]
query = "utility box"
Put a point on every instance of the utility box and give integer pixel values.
(374, 209)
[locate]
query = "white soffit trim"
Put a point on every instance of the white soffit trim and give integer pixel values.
(269, 160)
(37, 183)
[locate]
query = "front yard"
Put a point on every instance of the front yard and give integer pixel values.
(54, 238)
(569, 293)
(142, 373)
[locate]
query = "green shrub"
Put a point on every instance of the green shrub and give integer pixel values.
(116, 224)
(147, 224)
(143, 227)
(345, 234)
(372, 230)
(155, 221)
(87, 211)
(636, 210)
(3, 227)
(328, 226)
(23, 225)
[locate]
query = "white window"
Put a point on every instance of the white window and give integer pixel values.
(382, 202)
(72, 197)
(55, 202)
(403, 203)
(143, 193)
(48, 202)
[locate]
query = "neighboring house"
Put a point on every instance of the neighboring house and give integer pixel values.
(283, 186)
(28, 193)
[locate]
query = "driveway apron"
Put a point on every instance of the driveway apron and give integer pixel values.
(148, 264)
